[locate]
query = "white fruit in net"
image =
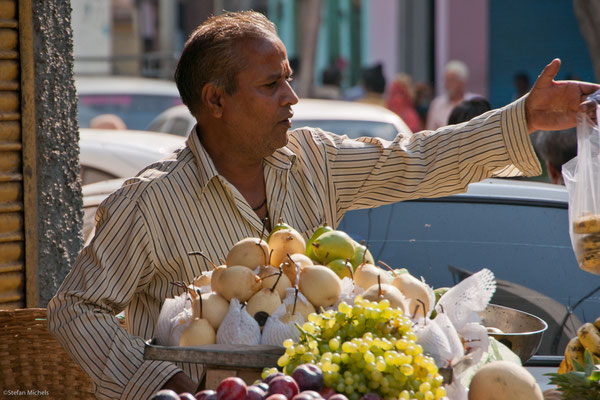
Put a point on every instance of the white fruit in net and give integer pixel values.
(238, 327)
(170, 308)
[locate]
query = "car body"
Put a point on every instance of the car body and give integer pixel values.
(135, 100)
(109, 153)
(353, 119)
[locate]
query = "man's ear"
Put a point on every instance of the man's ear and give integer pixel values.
(212, 98)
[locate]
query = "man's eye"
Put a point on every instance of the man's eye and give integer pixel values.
(272, 84)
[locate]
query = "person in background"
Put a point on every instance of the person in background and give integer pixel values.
(468, 109)
(456, 76)
(374, 85)
(107, 121)
(423, 96)
(399, 99)
(331, 87)
(556, 148)
(521, 84)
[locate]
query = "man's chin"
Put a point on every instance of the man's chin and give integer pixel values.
(282, 139)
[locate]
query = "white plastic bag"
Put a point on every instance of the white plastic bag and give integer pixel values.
(582, 179)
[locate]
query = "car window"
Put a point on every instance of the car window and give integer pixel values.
(159, 125)
(352, 128)
(137, 111)
(526, 245)
(181, 126)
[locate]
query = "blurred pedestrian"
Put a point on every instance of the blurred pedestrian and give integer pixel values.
(107, 121)
(423, 96)
(399, 99)
(373, 82)
(556, 148)
(331, 87)
(468, 109)
(521, 84)
(456, 77)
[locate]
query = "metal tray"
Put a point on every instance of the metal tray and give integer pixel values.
(218, 355)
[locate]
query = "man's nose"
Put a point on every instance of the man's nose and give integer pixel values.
(289, 96)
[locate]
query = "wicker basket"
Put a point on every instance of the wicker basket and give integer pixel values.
(32, 363)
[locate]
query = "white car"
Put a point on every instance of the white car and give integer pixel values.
(107, 157)
(135, 100)
(353, 119)
(108, 153)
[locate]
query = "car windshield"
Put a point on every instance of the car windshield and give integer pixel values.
(352, 128)
(137, 111)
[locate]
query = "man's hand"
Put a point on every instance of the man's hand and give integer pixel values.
(181, 383)
(553, 105)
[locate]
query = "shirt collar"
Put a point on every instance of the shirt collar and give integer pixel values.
(283, 158)
(206, 167)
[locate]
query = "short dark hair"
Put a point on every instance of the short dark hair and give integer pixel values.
(373, 78)
(468, 109)
(211, 55)
(556, 147)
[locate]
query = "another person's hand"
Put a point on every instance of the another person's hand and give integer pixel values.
(553, 105)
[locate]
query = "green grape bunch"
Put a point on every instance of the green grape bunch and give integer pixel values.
(368, 347)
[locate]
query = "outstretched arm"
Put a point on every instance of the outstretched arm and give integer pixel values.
(553, 105)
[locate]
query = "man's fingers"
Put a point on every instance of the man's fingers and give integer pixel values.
(588, 88)
(587, 106)
(547, 76)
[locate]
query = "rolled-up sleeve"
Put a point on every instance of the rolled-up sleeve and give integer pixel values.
(117, 264)
(371, 172)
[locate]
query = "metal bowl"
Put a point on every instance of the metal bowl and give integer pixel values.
(522, 332)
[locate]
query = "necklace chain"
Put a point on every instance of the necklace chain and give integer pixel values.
(260, 206)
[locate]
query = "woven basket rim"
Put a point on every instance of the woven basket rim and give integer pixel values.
(32, 359)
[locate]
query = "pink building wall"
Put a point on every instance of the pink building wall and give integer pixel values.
(461, 32)
(382, 34)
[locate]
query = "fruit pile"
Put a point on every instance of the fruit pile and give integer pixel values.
(353, 321)
(588, 338)
(578, 376)
(305, 383)
(368, 347)
(328, 268)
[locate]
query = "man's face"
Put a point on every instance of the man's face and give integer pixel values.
(454, 84)
(257, 115)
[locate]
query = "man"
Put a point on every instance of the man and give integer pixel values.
(240, 165)
(456, 76)
(466, 110)
(555, 149)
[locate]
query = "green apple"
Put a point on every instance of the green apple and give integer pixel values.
(309, 248)
(361, 255)
(333, 244)
(340, 267)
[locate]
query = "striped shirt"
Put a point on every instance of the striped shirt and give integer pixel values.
(145, 230)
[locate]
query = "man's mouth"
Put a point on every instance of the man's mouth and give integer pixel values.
(287, 121)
